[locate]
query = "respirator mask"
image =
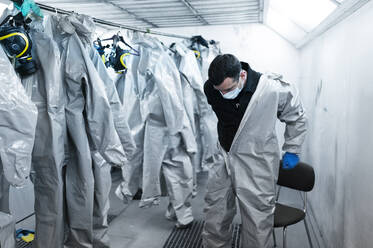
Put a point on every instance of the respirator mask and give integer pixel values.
(17, 43)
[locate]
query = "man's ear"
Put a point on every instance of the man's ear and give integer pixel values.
(243, 74)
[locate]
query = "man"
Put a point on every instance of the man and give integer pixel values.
(247, 105)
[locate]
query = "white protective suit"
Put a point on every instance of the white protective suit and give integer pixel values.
(47, 92)
(93, 144)
(249, 170)
(7, 231)
(18, 117)
(102, 190)
(201, 117)
(84, 27)
(17, 130)
(205, 55)
(209, 121)
(151, 91)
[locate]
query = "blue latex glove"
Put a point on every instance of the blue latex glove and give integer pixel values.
(27, 6)
(289, 160)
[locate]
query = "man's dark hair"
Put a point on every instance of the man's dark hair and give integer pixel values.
(222, 67)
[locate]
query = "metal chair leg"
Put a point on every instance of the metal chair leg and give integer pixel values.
(308, 233)
(284, 237)
(274, 238)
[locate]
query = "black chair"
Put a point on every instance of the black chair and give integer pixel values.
(301, 178)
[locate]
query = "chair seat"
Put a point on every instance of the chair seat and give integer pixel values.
(286, 215)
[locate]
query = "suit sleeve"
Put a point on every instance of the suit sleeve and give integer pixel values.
(292, 113)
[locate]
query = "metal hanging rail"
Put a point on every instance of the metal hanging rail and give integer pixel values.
(112, 24)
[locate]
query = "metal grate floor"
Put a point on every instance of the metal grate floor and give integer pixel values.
(23, 244)
(191, 238)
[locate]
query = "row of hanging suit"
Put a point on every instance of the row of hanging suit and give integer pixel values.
(72, 123)
(173, 126)
(77, 138)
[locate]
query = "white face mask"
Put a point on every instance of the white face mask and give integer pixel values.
(232, 94)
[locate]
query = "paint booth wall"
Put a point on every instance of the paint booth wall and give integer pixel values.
(337, 89)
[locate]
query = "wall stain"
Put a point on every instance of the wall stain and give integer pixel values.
(318, 92)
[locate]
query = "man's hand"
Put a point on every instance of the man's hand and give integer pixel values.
(289, 160)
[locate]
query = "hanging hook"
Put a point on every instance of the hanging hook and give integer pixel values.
(120, 30)
(55, 9)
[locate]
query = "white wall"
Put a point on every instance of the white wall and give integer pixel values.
(337, 89)
(256, 44)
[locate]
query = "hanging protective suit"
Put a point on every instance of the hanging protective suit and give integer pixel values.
(127, 88)
(84, 26)
(249, 170)
(152, 93)
(191, 108)
(92, 138)
(17, 131)
(4, 191)
(100, 224)
(6, 231)
(205, 52)
(18, 117)
(119, 115)
(47, 92)
(204, 121)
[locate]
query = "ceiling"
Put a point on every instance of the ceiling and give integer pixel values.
(297, 21)
(166, 13)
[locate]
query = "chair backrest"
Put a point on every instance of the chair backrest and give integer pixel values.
(301, 177)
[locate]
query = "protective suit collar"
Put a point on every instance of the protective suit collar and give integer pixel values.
(181, 49)
(65, 25)
(81, 24)
(252, 78)
(147, 41)
(84, 27)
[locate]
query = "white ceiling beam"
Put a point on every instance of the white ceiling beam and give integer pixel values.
(130, 13)
(226, 4)
(335, 2)
(150, 5)
(146, 1)
(261, 11)
(265, 10)
(222, 23)
(216, 2)
(230, 19)
(194, 11)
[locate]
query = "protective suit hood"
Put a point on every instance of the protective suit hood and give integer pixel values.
(84, 27)
(81, 24)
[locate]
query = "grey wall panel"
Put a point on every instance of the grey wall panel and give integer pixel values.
(337, 88)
